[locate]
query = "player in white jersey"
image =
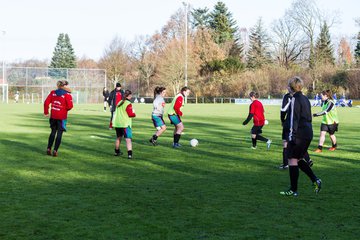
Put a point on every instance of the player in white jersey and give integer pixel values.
(157, 113)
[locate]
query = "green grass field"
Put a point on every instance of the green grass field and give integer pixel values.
(221, 189)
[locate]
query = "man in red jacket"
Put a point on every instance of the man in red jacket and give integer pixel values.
(61, 103)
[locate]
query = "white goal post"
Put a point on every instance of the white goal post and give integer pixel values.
(4, 92)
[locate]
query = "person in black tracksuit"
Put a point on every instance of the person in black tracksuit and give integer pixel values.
(300, 136)
(285, 122)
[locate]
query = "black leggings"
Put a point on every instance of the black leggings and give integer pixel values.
(52, 138)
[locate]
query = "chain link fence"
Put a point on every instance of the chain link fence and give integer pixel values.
(32, 85)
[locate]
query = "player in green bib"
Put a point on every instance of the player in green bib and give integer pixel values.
(330, 121)
(174, 113)
(122, 122)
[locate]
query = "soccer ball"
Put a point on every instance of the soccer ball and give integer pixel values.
(194, 142)
(266, 122)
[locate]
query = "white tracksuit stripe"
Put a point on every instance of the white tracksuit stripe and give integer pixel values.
(292, 118)
(285, 108)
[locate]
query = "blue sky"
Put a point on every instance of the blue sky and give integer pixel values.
(32, 26)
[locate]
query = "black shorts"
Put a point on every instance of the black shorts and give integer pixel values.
(285, 134)
(330, 128)
(57, 124)
(256, 130)
(124, 132)
(298, 148)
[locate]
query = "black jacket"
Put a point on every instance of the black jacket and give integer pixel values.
(284, 111)
(300, 118)
(112, 99)
(106, 94)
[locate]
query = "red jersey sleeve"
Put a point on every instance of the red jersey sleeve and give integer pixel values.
(252, 108)
(69, 102)
(47, 104)
(178, 105)
(130, 111)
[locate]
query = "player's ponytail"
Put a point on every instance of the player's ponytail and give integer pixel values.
(126, 94)
(158, 90)
(60, 84)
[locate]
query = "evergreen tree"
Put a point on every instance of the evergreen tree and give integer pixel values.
(258, 54)
(64, 56)
(70, 56)
(222, 23)
(324, 51)
(200, 18)
(357, 51)
(237, 47)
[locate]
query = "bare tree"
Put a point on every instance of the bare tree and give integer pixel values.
(85, 62)
(288, 42)
(31, 63)
(306, 14)
(344, 52)
(145, 63)
(357, 21)
(115, 60)
(175, 27)
(172, 67)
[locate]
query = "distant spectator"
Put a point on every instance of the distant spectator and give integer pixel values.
(16, 96)
(106, 95)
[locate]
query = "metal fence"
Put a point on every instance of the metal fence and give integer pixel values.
(34, 84)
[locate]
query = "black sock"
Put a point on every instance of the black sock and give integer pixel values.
(294, 176)
(177, 138)
(304, 166)
(117, 150)
(261, 138)
(285, 157)
(130, 153)
(307, 157)
(105, 108)
(320, 147)
(154, 137)
(253, 142)
(334, 145)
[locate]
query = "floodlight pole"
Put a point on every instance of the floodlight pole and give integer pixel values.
(186, 44)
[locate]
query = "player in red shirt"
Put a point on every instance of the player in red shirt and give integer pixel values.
(61, 102)
(174, 113)
(256, 111)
